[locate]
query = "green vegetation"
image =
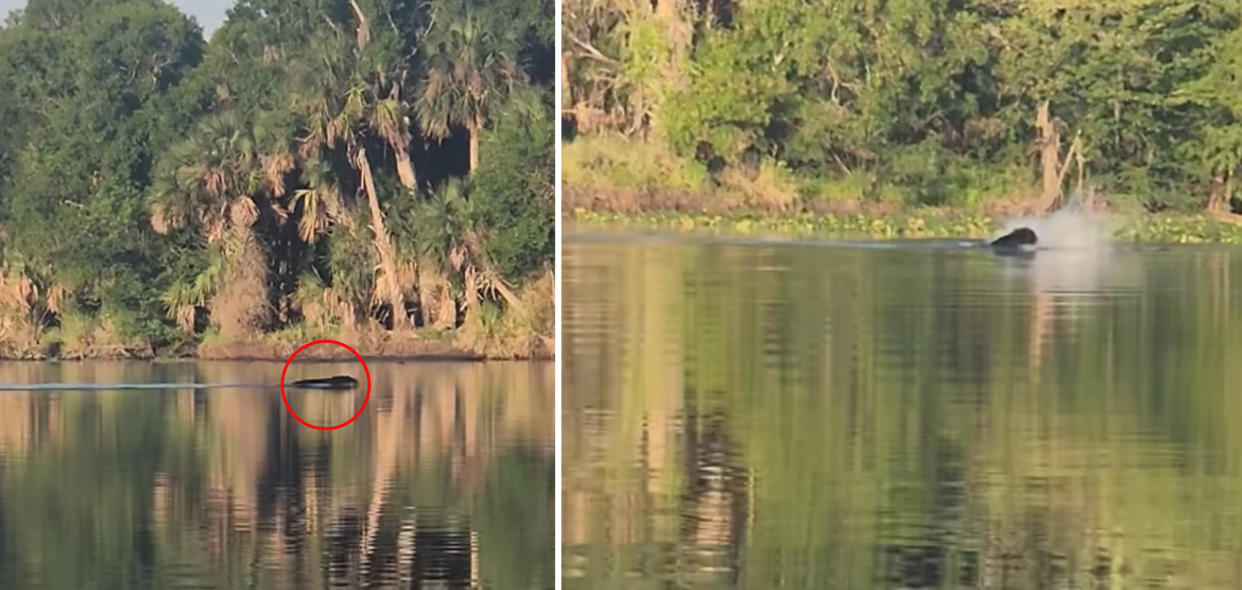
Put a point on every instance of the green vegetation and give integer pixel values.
(919, 223)
(376, 169)
(984, 106)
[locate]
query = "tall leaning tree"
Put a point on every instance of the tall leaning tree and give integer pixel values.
(343, 115)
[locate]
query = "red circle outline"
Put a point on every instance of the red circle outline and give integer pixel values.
(286, 370)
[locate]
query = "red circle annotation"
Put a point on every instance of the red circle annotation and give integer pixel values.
(285, 398)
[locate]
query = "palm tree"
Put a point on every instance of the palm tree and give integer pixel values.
(218, 182)
(470, 68)
(318, 202)
(448, 238)
(442, 223)
(203, 178)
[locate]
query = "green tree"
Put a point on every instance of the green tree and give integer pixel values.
(513, 200)
(81, 157)
(939, 102)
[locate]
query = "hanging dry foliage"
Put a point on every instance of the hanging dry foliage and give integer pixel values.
(243, 212)
(56, 297)
(159, 220)
(275, 167)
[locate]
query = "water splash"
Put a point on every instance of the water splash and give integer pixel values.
(1072, 227)
(1076, 251)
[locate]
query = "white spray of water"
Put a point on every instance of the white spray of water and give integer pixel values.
(1068, 228)
(1075, 251)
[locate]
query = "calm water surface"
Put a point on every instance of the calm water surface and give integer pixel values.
(751, 415)
(444, 481)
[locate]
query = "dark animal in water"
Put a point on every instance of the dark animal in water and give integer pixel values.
(1015, 239)
(337, 382)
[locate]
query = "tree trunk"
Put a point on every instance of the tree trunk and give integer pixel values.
(1228, 189)
(1082, 174)
(474, 147)
(1050, 142)
(471, 297)
(364, 32)
(401, 146)
(405, 167)
(241, 306)
(1216, 200)
(1218, 206)
(426, 295)
(1070, 156)
(509, 296)
(383, 246)
(447, 319)
(666, 9)
(567, 90)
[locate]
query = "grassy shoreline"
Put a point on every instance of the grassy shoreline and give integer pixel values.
(702, 215)
(618, 183)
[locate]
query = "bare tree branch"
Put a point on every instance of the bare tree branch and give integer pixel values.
(591, 51)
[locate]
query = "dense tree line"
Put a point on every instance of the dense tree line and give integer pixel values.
(376, 165)
(945, 101)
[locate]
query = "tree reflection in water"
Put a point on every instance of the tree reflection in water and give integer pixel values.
(802, 416)
(450, 464)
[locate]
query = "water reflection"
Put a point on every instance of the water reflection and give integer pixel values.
(444, 481)
(763, 416)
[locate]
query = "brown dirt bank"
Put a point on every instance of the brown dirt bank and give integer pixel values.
(370, 348)
(279, 349)
(273, 351)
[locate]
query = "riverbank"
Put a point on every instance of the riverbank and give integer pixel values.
(523, 329)
(278, 347)
(274, 348)
(385, 346)
(616, 183)
(516, 334)
(600, 210)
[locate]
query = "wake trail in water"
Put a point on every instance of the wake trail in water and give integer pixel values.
(115, 386)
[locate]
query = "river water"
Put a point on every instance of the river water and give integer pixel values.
(900, 415)
(444, 481)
